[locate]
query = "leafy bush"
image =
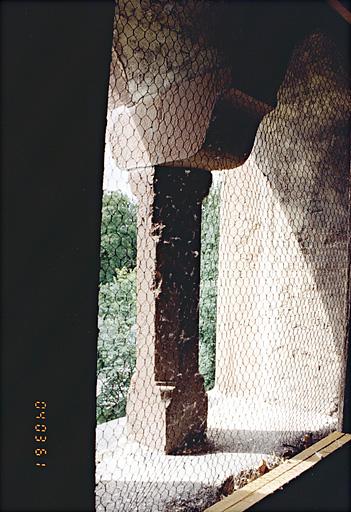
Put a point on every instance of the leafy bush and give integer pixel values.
(116, 343)
(118, 234)
(208, 285)
(117, 300)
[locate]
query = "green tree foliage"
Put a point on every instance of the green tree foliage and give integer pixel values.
(116, 343)
(208, 286)
(118, 235)
(117, 299)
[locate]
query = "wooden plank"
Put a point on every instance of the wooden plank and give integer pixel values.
(237, 98)
(317, 446)
(340, 9)
(277, 476)
(289, 475)
(337, 444)
(238, 495)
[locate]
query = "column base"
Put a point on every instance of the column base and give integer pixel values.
(171, 418)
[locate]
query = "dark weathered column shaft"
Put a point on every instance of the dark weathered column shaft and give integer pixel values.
(177, 218)
(167, 403)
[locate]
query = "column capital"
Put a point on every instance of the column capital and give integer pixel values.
(177, 182)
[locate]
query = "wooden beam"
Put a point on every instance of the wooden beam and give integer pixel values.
(208, 159)
(255, 491)
(340, 9)
(237, 98)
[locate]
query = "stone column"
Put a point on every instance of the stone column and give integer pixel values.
(167, 402)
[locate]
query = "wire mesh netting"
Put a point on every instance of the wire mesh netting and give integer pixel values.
(223, 304)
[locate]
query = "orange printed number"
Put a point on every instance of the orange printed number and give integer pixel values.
(40, 428)
(40, 439)
(40, 405)
(40, 451)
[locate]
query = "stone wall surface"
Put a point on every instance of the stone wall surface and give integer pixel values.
(283, 257)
